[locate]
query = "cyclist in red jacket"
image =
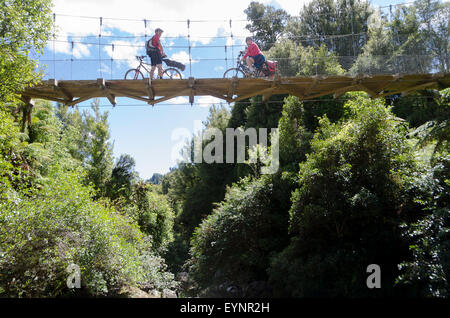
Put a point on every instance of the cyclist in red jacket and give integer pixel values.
(156, 53)
(253, 55)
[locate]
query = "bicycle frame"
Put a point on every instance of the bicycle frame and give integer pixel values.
(241, 65)
(141, 64)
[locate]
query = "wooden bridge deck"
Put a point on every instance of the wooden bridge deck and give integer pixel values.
(231, 90)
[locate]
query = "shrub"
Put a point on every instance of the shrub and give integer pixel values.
(233, 244)
(347, 209)
(44, 232)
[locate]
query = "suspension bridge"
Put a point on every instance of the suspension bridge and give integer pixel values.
(72, 92)
(399, 74)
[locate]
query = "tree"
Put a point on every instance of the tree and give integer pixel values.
(294, 138)
(44, 231)
(153, 214)
(339, 24)
(296, 60)
(429, 269)
(353, 187)
(232, 245)
(434, 19)
(97, 147)
(156, 178)
(24, 28)
(267, 24)
(123, 177)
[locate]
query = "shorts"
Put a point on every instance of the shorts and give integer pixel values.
(155, 57)
(259, 60)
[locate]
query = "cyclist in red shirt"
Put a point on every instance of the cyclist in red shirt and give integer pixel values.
(156, 53)
(253, 54)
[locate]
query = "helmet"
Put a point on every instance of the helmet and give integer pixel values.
(158, 29)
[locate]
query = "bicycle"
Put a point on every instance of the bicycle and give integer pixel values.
(267, 69)
(135, 73)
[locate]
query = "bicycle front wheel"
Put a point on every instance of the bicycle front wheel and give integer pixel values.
(171, 73)
(233, 72)
(133, 74)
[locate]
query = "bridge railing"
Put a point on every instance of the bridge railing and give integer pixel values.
(85, 69)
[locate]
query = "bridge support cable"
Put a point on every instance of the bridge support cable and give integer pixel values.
(54, 45)
(100, 47)
(189, 44)
(71, 60)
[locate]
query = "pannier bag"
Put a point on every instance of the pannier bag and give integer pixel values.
(173, 63)
(272, 66)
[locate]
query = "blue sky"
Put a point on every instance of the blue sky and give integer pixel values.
(148, 133)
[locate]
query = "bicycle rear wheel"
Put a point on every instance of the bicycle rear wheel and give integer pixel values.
(172, 73)
(133, 74)
(233, 72)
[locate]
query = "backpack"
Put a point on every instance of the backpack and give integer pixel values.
(149, 47)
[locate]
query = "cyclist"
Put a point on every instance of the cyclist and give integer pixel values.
(253, 55)
(156, 53)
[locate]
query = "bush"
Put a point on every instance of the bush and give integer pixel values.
(45, 231)
(233, 244)
(429, 269)
(347, 209)
(154, 216)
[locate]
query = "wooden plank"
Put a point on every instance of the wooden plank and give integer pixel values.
(315, 82)
(417, 87)
(262, 92)
(205, 91)
(232, 88)
(162, 99)
(67, 97)
(81, 99)
(102, 85)
(149, 87)
(302, 87)
(118, 92)
(192, 90)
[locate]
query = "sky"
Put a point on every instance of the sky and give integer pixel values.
(151, 135)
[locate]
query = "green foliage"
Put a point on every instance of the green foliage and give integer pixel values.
(233, 244)
(97, 148)
(332, 17)
(24, 29)
(438, 129)
(266, 23)
(156, 178)
(297, 60)
(154, 215)
(416, 40)
(42, 233)
(294, 138)
(123, 177)
(429, 269)
(352, 187)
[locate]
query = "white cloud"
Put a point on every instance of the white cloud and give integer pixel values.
(125, 53)
(80, 50)
(178, 100)
(174, 13)
(182, 57)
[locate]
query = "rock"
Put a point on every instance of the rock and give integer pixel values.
(167, 293)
